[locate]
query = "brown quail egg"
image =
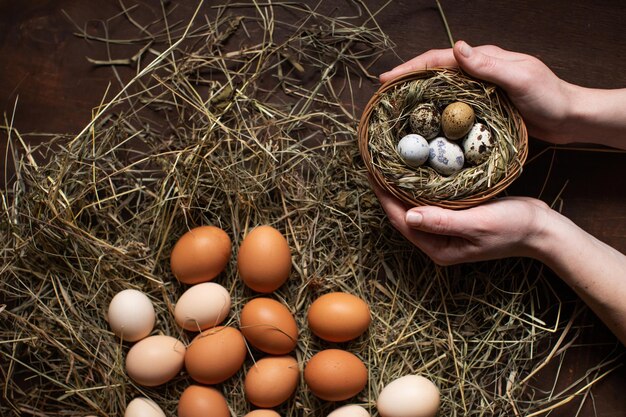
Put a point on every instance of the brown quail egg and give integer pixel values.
(478, 144)
(456, 120)
(426, 120)
(445, 157)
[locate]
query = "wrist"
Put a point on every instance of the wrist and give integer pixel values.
(549, 234)
(595, 115)
(576, 113)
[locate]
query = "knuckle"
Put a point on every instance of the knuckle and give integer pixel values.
(488, 62)
(440, 223)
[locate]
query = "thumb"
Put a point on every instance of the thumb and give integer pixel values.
(483, 66)
(437, 220)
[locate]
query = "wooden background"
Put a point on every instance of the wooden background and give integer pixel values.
(44, 64)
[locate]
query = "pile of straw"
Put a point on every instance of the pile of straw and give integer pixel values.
(240, 134)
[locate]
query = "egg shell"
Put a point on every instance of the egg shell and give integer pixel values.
(131, 315)
(478, 144)
(351, 410)
(409, 396)
(199, 401)
(200, 255)
(155, 360)
(271, 381)
(335, 375)
(269, 326)
(445, 157)
(339, 317)
(215, 355)
(143, 407)
(202, 306)
(264, 259)
(456, 120)
(425, 120)
(413, 149)
(262, 413)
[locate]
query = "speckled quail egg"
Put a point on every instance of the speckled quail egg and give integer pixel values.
(445, 157)
(413, 150)
(478, 144)
(426, 120)
(456, 120)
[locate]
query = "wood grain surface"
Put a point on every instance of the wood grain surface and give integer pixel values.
(46, 77)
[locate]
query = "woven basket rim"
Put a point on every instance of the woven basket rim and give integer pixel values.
(514, 166)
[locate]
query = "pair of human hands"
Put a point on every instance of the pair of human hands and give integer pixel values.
(503, 227)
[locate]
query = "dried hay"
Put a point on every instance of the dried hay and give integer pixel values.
(237, 136)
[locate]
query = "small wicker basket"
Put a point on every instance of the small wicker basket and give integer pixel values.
(385, 121)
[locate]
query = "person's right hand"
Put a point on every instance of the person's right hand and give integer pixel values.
(543, 99)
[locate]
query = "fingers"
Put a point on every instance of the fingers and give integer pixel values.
(430, 59)
(440, 221)
(442, 249)
(396, 212)
(489, 63)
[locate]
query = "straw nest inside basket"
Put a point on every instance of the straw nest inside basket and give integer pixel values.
(386, 120)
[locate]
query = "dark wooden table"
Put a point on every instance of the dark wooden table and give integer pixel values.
(43, 68)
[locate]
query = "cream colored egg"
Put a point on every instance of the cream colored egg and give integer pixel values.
(155, 360)
(262, 413)
(131, 315)
(202, 306)
(350, 410)
(409, 396)
(143, 407)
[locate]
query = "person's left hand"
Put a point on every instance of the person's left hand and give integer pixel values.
(504, 227)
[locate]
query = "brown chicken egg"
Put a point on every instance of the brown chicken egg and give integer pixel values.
(264, 259)
(155, 360)
(215, 355)
(456, 120)
(335, 375)
(269, 326)
(271, 381)
(199, 401)
(339, 317)
(200, 255)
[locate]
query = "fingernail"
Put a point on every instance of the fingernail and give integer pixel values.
(384, 74)
(465, 49)
(413, 218)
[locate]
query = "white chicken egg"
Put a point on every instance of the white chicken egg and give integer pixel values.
(413, 150)
(131, 315)
(143, 407)
(409, 396)
(478, 144)
(351, 410)
(445, 157)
